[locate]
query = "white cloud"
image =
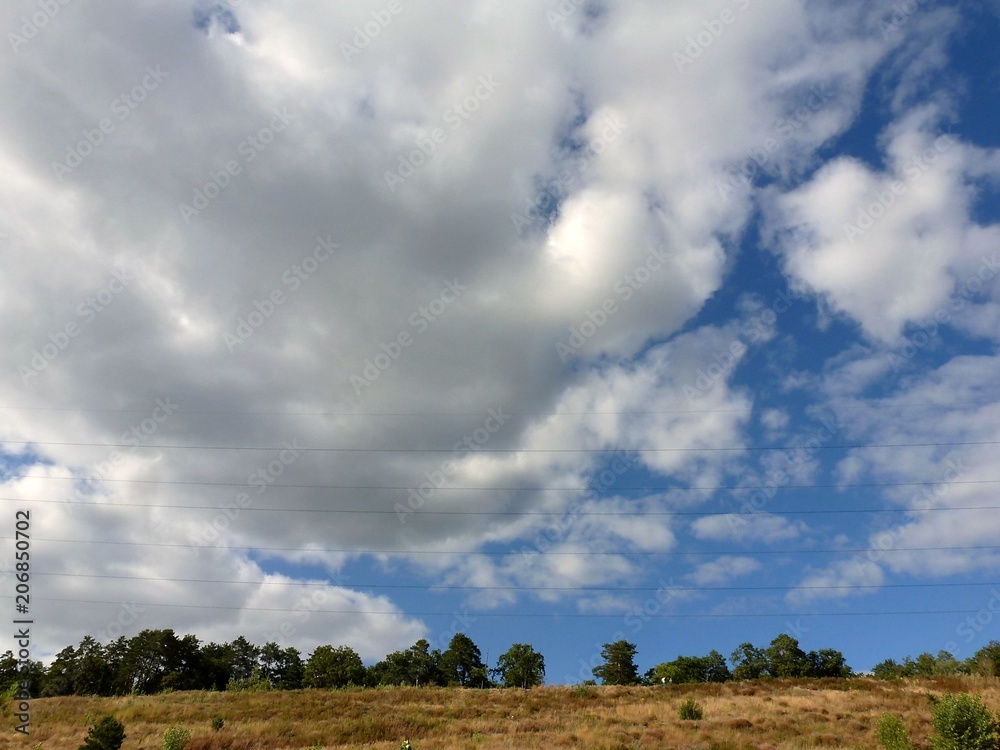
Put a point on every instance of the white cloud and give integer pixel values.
(724, 569)
(747, 527)
(840, 579)
(948, 418)
(320, 171)
(774, 420)
(889, 248)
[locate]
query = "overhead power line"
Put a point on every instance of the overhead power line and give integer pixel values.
(523, 488)
(512, 552)
(448, 587)
(512, 615)
(609, 450)
(637, 412)
(773, 512)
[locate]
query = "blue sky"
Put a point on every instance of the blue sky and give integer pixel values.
(558, 324)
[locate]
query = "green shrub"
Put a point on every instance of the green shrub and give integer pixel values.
(176, 738)
(963, 722)
(217, 723)
(891, 733)
(107, 734)
(582, 691)
(690, 710)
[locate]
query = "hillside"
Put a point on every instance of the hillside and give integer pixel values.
(779, 714)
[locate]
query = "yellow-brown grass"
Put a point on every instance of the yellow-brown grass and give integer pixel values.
(738, 716)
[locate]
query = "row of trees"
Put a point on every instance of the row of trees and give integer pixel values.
(783, 658)
(158, 660)
(984, 663)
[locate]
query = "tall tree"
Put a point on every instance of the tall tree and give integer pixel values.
(749, 662)
(395, 669)
(424, 664)
(828, 662)
(462, 663)
(619, 664)
(714, 669)
(986, 661)
(217, 662)
(282, 667)
(185, 664)
(60, 675)
(147, 660)
(94, 675)
(786, 659)
(9, 675)
(116, 652)
(330, 667)
(245, 659)
(520, 666)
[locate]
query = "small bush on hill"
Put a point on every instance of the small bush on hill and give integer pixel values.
(963, 722)
(891, 733)
(107, 734)
(690, 711)
(176, 738)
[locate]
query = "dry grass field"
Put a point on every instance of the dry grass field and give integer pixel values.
(779, 714)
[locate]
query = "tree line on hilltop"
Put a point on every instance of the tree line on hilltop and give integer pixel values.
(155, 661)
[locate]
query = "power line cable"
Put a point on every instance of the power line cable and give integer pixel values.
(218, 412)
(451, 587)
(515, 513)
(470, 553)
(523, 488)
(609, 450)
(533, 615)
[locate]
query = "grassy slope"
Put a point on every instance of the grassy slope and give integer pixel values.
(780, 714)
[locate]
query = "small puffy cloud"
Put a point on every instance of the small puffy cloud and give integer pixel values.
(724, 569)
(841, 579)
(889, 248)
(747, 527)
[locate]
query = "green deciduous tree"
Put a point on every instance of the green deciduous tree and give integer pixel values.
(888, 670)
(520, 666)
(749, 662)
(962, 722)
(282, 667)
(417, 665)
(330, 667)
(828, 662)
(786, 659)
(986, 661)
(689, 669)
(157, 659)
(395, 669)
